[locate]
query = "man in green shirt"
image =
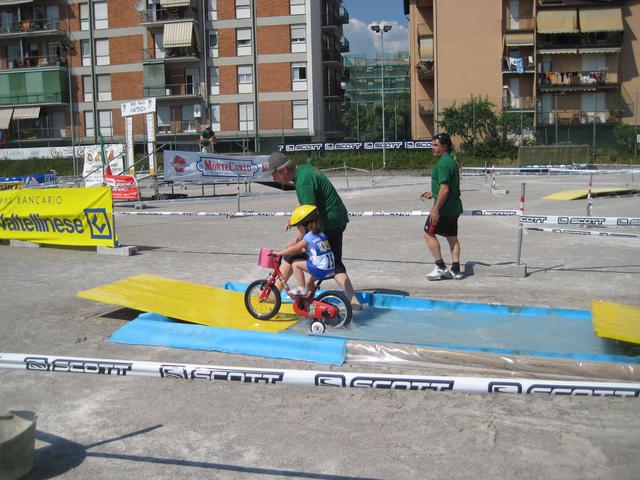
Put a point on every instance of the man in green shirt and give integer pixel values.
(447, 207)
(314, 188)
(207, 139)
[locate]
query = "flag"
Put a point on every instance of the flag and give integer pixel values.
(105, 164)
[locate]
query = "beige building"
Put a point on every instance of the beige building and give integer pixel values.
(562, 62)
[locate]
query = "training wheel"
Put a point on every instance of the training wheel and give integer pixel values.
(317, 327)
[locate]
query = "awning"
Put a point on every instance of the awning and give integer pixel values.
(514, 39)
(601, 50)
(23, 113)
(5, 118)
(557, 21)
(558, 51)
(175, 3)
(178, 34)
(601, 20)
(426, 48)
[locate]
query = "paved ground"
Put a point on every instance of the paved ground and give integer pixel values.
(104, 428)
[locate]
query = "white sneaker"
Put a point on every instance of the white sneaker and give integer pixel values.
(439, 274)
(299, 291)
(457, 276)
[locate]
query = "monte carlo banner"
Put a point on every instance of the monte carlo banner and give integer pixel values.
(212, 167)
(61, 216)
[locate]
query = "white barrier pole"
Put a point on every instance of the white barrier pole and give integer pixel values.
(589, 200)
(334, 378)
(520, 226)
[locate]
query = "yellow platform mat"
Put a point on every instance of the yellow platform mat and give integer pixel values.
(191, 302)
(582, 193)
(616, 321)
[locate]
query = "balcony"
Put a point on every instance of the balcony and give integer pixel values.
(343, 15)
(593, 40)
(583, 81)
(576, 117)
(425, 107)
(332, 56)
(32, 62)
(20, 132)
(343, 46)
(524, 64)
(173, 90)
(171, 55)
(33, 28)
(519, 24)
(44, 86)
(179, 127)
(512, 103)
(425, 69)
(160, 16)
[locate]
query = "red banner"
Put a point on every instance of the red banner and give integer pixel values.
(123, 187)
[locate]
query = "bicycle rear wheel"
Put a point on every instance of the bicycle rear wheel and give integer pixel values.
(262, 309)
(339, 300)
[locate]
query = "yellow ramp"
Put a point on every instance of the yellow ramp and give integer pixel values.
(191, 302)
(582, 193)
(615, 320)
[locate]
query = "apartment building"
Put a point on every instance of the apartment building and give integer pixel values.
(561, 62)
(258, 71)
(364, 77)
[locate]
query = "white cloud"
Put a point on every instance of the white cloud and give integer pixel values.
(363, 40)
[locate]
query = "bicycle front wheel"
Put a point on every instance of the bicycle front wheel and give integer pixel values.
(262, 309)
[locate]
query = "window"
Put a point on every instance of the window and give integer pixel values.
(87, 88)
(245, 78)
(300, 114)
(88, 124)
(243, 38)
(299, 76)
(188, 119)
(212, 10)
(104, 87)
(245, 114)
(164, 119)
(213, 44)
(102, 51)
(298, 38)
(104, 123)
(100, 15)
(86, 53)
(158, 48)
(84, 16)
(214, 80)
(215, 118)
(243, 8)
(296, 7)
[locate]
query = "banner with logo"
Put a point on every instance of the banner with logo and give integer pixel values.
(355, 146)
(93, 163)
(211, 167)
(123, 187)
(61, 216)
(32, 180)
(10, 185)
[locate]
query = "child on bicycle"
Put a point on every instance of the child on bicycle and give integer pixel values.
(320, 262)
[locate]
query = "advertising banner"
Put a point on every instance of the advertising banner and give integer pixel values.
(10, 185)
(151, 142)
(355, 146)
(123, 187)
(32, 180)
(130, 159)
(61, 216)
(93, 163)
(211, 167)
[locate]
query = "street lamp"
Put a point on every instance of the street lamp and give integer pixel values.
(382, 29)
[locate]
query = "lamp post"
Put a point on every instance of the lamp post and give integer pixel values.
(382, 29)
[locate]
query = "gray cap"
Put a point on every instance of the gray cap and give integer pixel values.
(278, 160)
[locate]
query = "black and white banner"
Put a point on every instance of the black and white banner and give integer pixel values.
(354, 146)
(591, 233)
(577, 221)
(368, 213)
(267, 376)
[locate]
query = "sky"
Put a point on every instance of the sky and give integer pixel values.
(363, 13)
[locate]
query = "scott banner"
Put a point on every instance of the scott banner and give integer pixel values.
(61, 216)
(212, 167)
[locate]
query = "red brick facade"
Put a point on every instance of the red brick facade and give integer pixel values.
(274, 39)
(276, 115)
(274, 77)
(272, 8)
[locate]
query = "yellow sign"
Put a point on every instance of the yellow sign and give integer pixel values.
(59, 216)
(10, 186)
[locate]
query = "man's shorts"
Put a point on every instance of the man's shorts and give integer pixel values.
(447, 226)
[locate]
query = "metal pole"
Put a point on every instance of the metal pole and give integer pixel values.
(635, 140)
(384, 151)
(395, 115)
(521, 227)
(589, 199)
(68, 60)
(594, 129)
(555, 117)
(358, 121)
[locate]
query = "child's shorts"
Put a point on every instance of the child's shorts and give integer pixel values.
(318, 273)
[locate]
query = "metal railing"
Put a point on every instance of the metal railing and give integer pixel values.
(40, 25)
(585, 77)
(35, 98)
(36, 62)
(511, 103)
(580, 40)
(343, 46)
(152, 15)
(168, 53)
(575, 117)
(522, 23)
(425, 107)
(179, 126)
(173, 89)
(26, 133)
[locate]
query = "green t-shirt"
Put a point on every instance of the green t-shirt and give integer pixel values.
(314, 188)
(205, 137)
(446, 171)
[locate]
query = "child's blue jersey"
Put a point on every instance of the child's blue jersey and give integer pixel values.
(319, 251)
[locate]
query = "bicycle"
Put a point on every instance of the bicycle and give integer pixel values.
(262, 299)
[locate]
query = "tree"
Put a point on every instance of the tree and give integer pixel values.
(364, 121)
(624, 136)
